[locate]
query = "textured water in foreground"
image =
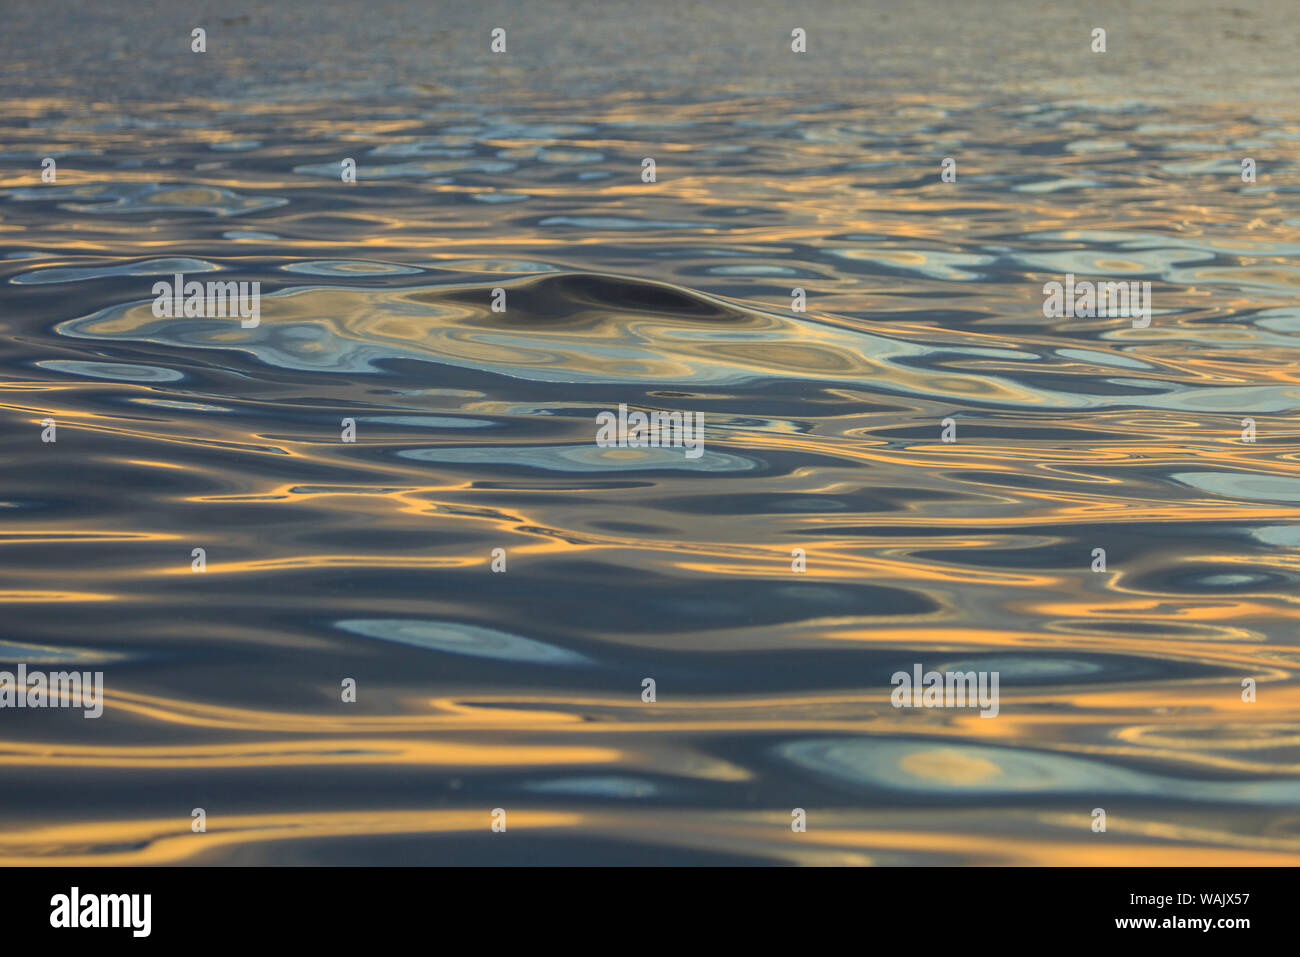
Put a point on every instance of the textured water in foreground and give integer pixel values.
(475, 431)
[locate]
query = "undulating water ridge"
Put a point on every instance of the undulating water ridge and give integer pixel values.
(475, 431)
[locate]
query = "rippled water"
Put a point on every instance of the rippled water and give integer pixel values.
(475, 430)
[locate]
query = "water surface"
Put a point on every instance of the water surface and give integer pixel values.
(475, 430)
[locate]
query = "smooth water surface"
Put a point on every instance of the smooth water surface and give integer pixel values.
(522, 689)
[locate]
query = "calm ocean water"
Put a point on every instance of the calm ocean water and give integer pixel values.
(522, 690)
